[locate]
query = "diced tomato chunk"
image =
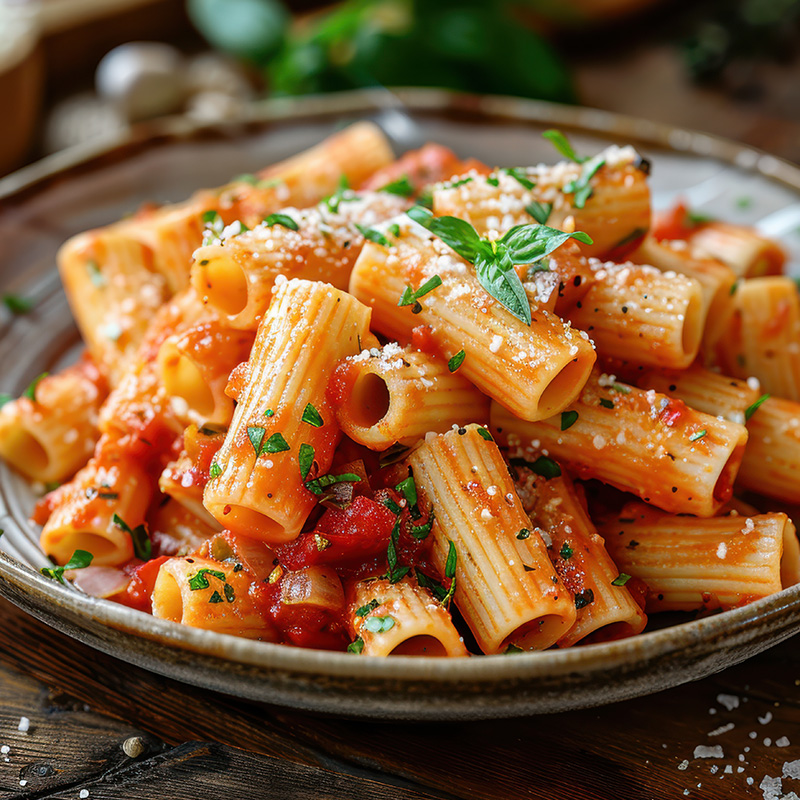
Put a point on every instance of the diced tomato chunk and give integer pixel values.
(342, 537)
(675, 223)
(140, 590)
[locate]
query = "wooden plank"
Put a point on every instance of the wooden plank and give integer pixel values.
(206, 771)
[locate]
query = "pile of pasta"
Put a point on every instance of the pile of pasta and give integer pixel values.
(421, 406)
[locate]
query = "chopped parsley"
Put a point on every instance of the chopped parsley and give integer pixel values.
(753, 408)
(568, 419)
(379, 624)
(408, 488)
(512, 649)
(402, 187)
(494, 261)
(200, 581)
(213, 225)
(364, 610)
(216, 597)
(281, 219)
(319, 485)
(411, 297)
(606, 403)
(581, 186)
(450, 566)
(566, 551)
(356, 646)
(422, 531)
(460, 182)
(699, 435)
(456, 361)
(305, 459)
(80, 560)
(275, 444)
(543, 466)
(493, 180)
(484, 434)
(312, 417)
(621, 579)
(338, 196)
(30, 392)
(215, 470)
(18, 305)
(524, 533)
(142, 546)
(395, 572)
(584, 598)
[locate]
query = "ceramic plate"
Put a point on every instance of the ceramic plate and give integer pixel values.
(44, 204)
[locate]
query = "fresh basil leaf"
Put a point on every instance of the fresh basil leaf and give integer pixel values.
(142, 546)
(200, 581)
(80, 559)
(433, 586)
(520, 176)
(18, 305)
(562, 144)
(529, 243)
(30, 392)
(584, 598)
(402, 187)
(255, 433)
(582, 186)
(539, 211)
(499, 278)
(454, 232)
(543, 466)
(365, 609)
(410, 296)
(275, 444)
(621, 579)
(372, 235)
(422, 531)
(356, 646)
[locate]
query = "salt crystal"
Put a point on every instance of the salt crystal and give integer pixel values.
(753, 735)
(5, 749)
(23, 782)
(771, 787)
(767, 742)
(782, 742)
(24, 725)
(728, 769)
(683, 765)
(730, 701)
(494, 345)
(722, 550)
(791, 769)
(722, 729)
(706, 751)
(766, 718)
(84, 794)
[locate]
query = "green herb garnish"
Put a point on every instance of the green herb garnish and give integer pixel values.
(364, 610)
(699, 435)
(373, 236)
(456, 361)
(753, 408)
(312, 417)
(621, 579)
(539, 211)
(30, 392)
(18, 305)
(318, 485)
(402, 187)
(305, 459)
(566, 551)
(411, 297)
(568, 419)
(494, 261)
(80, 560)
(356, 646)
(281, 219)
(200, 581)
(142, 546)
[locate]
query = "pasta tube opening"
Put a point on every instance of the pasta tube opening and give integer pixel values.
(422, 645)
(561, 389)
(370, 399)
(222, 283)
(24, 451)
(693, 325)
(182, 378)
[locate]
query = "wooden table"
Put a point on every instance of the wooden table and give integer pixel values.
(89, 715)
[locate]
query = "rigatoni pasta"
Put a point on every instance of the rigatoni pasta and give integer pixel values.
(300, 368)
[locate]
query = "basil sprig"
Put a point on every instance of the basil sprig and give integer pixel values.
(494, 261)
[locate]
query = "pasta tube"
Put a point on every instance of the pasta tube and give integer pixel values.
(617, 211)
(236, 275)
(401, 619)
(209, 594)
(743, 249)
(533, 370)
(506, 588)
(762, 337)
(605, 607)
(84, 510)
(641, 442)
(194, 366)
(690, 564)
(641, 315)
(258, 488)
(50, 436)
(393, 394)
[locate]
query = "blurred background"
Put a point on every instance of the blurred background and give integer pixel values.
(75, 71)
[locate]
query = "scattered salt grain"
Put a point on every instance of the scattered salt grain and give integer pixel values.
(722, 729)
(728, 769)
(5, 749)
(791, 769)
(730, 701)
(494, 345)
(766, 718)
(24, 725)
(767, 742)
(23, 782)
(782, 742)
(722, 550)
(753, 735)
(683, 765)
(706, 751)
(84, 794)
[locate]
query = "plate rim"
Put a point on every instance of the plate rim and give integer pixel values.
(586, 659)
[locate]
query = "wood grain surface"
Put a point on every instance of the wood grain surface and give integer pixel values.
(82, 706)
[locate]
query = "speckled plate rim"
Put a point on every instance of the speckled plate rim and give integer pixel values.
(779, 612)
